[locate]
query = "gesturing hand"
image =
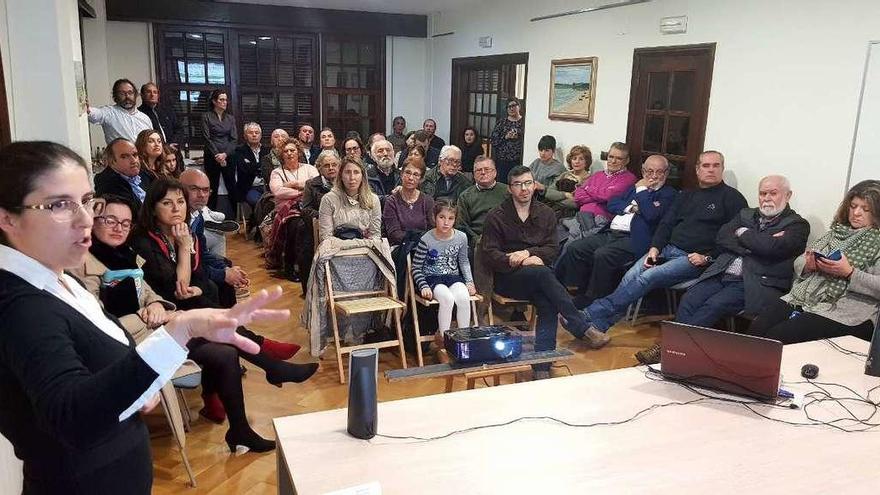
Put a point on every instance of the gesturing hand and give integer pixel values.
(218, 325)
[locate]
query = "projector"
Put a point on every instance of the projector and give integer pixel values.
(482, 344)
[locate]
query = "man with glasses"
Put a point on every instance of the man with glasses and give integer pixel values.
(219, 270)
(683, 245)
(123, 175)
(383, 176)
(122, 120)
(519, 245)
(593, 195)
(475, 202)
(595, 263)
(446, 180)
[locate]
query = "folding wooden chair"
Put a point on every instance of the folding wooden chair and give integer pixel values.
(532, 322)
(415, 297)
(353, 303)
(168, 398)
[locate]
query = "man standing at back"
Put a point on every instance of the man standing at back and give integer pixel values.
(122, 120)
(163, 119)
(682, 247)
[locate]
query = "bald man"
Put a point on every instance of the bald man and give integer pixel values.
(755, 267)
(595, 263)
(219, 270)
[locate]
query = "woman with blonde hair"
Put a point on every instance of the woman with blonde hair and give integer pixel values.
(350, 210)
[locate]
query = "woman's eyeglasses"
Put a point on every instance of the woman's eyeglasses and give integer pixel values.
(65, 210)
(111, 222)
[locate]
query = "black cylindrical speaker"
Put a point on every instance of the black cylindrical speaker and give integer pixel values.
(362, 405)
(872, 365)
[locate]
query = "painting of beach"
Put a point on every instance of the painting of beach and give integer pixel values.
(572, 89)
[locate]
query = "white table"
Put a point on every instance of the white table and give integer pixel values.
(698, 448)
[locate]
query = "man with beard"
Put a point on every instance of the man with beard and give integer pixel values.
(383, 177)
(756, 264)
(434, 141)
(122, 120)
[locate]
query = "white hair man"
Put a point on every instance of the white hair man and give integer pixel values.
(446, 180)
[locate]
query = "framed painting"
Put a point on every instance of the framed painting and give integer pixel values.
(573, 89)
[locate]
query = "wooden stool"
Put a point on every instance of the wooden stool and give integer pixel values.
(503, 300)
(496, 374)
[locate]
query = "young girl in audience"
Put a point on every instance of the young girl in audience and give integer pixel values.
(170, 167)
(441, 269)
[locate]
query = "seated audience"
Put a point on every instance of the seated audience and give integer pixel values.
(369, 159)
(273, 159)
(383, 176)
(305, 132)
(398, 133)
(475, 202)
(755, 265)
(595, 263)
(593, 195)
(546, 168)
(441, 269)
(682, 247)
(327, 141)
(353, 147)
(471, 147)
(833, 297)
(420, 139)
(122, 120)
(350, 210)
(519, 245)
(123, 175)
(559, 195)
(408, 209)
(226, 277)
(316, 187)
(430, 128)
(247, 159)
(149, 147)
(507, 139)
(446, 180)
(171, 166)
(287, 183)
(162, 234)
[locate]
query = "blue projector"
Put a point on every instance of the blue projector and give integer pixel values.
(482, 344)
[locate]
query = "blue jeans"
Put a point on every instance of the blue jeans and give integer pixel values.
(638, 281)
(711, 300)
(254, 195)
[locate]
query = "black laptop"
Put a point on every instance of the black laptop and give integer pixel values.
(731, 362)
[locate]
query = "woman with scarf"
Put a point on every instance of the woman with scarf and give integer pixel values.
(350, 210)
(287, 183)
(833, 296)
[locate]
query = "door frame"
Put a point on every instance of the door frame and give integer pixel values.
(459, 65)
(701, 118)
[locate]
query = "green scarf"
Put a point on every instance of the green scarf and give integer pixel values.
(862, 249)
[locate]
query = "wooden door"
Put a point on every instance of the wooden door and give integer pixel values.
(480, 89)
(668, 106)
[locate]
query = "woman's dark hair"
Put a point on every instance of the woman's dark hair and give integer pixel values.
(113, 199)
(357, 141)
(23, 164)
(120, 82)
(215, 95)
(547, 143)
(157, 191)
(420, 149)
(444, 204)
(477, 138)
(866, 190)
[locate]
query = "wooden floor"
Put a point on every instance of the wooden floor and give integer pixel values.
(219, 472)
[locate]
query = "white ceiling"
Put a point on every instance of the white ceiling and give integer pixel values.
(389, 6)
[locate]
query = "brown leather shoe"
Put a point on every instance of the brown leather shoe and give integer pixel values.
(650, 355)
(595, 339)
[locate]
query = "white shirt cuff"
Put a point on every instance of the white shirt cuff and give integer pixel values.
(641, 188)
(164, 355)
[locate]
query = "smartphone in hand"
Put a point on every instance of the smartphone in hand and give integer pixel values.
(832, 256)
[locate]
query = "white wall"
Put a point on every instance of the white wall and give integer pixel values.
(784, 93)
(406, 87)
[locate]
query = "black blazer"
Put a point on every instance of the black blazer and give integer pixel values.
(768, 255)
(242, 159)
(165, 117)
(110, 182)
(63, 384)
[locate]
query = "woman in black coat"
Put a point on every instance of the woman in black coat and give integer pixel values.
(72, 380)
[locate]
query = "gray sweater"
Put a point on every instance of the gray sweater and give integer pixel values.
(859, 303)
(433, 256)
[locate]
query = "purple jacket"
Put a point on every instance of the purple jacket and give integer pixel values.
(595, 192)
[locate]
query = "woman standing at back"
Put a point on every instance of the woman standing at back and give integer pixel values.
(219, 130)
